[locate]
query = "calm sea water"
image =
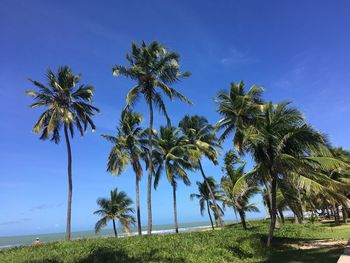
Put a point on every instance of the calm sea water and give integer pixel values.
(11, 241)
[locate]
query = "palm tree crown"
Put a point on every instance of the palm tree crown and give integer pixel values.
(238, 109)
(68, 104)
(128, 144)
(154, 68)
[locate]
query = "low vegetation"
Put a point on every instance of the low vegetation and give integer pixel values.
(232, 244)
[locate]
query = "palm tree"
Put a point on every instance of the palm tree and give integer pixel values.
(68, 105)
(280, 143)
(239, 110)
(239, 200)
(128, 149)
(204, 197)
(275, 135)
(154, 69)
(201, 134)
(172, 154)
(115, 208)
(342, 174)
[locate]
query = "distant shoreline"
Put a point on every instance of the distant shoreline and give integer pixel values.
(26, 240)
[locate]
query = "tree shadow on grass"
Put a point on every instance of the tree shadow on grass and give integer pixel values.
(107, 255)
(281, 251)
(323, 255)
(110, 255)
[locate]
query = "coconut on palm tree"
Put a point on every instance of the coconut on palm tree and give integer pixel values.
(202, 135)
(154, 69)
(205, 200)
(116, 208)
(128, 149)
(173, 154)
(68, 106)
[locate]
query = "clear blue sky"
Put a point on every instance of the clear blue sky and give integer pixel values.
(298, 50)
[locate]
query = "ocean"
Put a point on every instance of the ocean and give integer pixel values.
(13, 241)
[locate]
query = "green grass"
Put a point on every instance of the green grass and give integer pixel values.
(229, 245)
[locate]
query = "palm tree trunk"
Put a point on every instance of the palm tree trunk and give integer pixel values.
(211, 220)
(268, 196)
(281, 215)
(273, 209)
(217, 212)
(242, 216)
(328, 215)
(337, 217)
(345, 214)
(175, 212)
(150, 170)
(114, 229)
(235, 212)
(138, 207)
(70, 185)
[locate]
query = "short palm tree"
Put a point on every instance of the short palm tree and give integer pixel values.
(154, 69)
(68, 106)
(205, 201)
(201, 134)
(115, 208)
(238, 200)
(172, 155)
(128, 149)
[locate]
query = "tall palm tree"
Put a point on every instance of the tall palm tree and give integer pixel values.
(115, 208)
(128, 149)
(202, 135)
(172, 154)
(239, 110)
(204, 197)
(238, 200)
(68, 106)
(154, 69)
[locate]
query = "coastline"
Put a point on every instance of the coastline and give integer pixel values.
(8, 242)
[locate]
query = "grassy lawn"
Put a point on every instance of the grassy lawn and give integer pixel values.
(229, 245)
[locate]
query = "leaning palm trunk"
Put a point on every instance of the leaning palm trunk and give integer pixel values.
(150, 170)
(175, 211)
(114, 229)
(268, 195)
(138, 206)
(217, 213)
(273, 209)
(242, 216)
(280, 211)
(70, 185)
(211, 220)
